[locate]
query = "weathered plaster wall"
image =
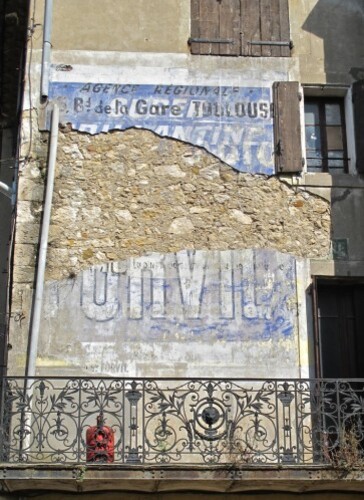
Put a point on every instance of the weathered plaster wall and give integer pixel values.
(125, 194)
(119, 25)
(164, 26)
(186, 314)
(234, 123)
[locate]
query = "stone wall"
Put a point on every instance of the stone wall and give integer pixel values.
(124, 194)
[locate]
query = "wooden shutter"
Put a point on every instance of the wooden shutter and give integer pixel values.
(215, 27)
(358, 102)
(265, 21)
(287, 129)
(250, 27)
(284, 27)
(230, 27)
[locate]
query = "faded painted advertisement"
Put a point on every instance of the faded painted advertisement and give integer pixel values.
(233, 123)
(196, 310)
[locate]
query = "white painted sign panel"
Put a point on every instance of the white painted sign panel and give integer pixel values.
(191, 312)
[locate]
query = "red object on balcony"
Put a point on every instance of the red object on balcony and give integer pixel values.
(100, 442)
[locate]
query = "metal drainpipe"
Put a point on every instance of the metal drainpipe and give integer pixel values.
(6, 190)
(39, 284)
(47, 46)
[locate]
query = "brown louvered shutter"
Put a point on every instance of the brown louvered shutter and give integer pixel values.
(262, 22)
(287, 129)
(215, 27)
(358, 102)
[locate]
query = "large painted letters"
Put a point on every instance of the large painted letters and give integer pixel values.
(238, 293)
(233, 123)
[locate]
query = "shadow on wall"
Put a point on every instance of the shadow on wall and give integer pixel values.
(334, 21)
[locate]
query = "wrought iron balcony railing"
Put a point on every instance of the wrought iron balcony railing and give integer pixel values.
(166, 421)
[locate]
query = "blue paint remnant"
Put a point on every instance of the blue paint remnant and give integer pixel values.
(233, 123)
(200, 296)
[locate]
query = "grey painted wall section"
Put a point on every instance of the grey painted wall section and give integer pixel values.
(347, 214)
(332, 31)
(193, 313)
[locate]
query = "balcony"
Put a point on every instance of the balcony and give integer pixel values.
(226, 430)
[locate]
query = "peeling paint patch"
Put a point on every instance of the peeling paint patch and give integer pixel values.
(223, 308)
(233, 123)
(192, 295)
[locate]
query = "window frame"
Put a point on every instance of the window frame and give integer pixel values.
(321, 101)
(353, 97)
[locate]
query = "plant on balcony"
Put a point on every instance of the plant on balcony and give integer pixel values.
(348, 456)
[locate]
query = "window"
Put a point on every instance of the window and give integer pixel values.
(339, 328)
(334, 128)
(240, 27)
(325, 135)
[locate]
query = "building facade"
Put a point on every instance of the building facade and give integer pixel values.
(186, 258)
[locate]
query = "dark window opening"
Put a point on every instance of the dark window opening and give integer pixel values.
(338, 422)
(340, 335)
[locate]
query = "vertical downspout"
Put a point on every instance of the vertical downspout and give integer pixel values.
(39, 284)
(47, 45)
(6, 190)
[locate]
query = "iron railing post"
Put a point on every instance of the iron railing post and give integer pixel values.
(133, 395)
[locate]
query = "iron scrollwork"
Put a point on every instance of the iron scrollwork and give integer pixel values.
(165, 421)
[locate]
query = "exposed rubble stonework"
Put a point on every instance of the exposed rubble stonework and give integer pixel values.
(125, 194)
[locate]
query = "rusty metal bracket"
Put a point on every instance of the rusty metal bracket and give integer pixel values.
(210, 40)
(273, 42)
